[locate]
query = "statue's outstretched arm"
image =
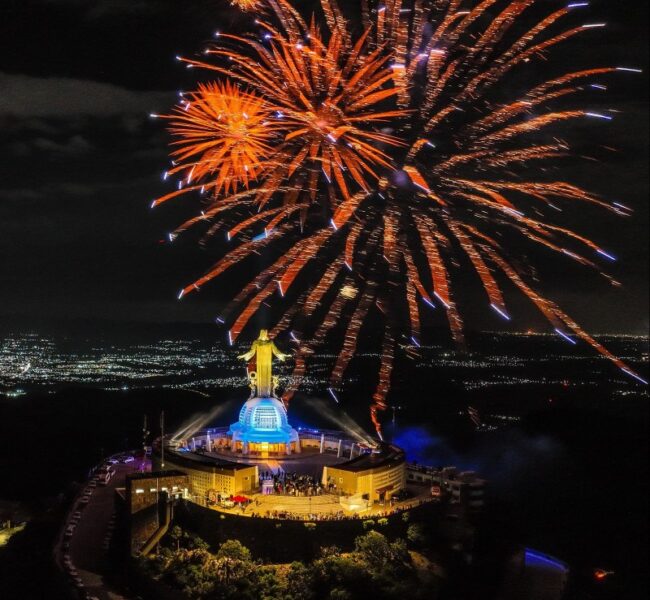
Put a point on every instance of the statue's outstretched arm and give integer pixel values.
(248, 355)
(281, 356)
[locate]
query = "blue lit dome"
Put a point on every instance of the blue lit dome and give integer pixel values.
(264, 414)
(263, 421)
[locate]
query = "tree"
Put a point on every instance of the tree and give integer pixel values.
(190, 570)
(175, 536)
(179, 538)
(327, 551)
(382, 557)
(416, 535)
(342, 572)
(234, 550)
(299, 582)
(399, 553)
(270, 584)
(374, 549)
(236, 578)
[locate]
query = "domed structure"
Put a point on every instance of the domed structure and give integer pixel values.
(263, 428)
(264, 413)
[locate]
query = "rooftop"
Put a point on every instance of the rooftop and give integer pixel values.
(154, 475)
(387, 456)
(191, 460)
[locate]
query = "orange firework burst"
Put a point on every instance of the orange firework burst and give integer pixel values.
(222, 134)
(373, 161)
(324, 97)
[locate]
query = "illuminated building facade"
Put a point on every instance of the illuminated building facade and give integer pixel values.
(374, 477)
(263, 429)
(209, 478)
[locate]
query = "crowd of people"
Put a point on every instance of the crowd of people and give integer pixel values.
(251, 507)
(291, 516)
(292, 484)
(334, 516)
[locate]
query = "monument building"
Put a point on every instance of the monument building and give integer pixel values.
(263, 427)
(222, 462)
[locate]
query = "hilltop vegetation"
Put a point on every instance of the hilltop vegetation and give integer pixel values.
(376, 568)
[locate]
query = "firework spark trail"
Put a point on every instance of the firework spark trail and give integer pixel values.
(248, 5)
(362, 162)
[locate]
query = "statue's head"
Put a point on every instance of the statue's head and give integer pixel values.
(264, 335)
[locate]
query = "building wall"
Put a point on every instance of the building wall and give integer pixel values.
(284, 541)
(395, 477)
(222, 481)
(201, 481)
(346, 481)
(312, 442)
(145, 492)
(246, 480)
(368, 482)
(465, 488)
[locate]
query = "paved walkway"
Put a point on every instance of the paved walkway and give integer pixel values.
(88, 547)
(298, 505)
(325, 505)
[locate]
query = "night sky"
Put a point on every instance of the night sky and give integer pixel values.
(81, 163)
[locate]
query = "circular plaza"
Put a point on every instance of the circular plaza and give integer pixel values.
(263, 465)
(328, 474)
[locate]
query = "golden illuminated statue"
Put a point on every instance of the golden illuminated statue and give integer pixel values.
(260, 358)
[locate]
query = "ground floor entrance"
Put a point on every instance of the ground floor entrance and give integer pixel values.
(265, 449)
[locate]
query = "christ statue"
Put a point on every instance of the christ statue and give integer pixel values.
(260, 358)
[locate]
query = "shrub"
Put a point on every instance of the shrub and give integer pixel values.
(380, 555)
(416, 535)
(327, 551)
(299, 582)
(234, 550)
(374, 548)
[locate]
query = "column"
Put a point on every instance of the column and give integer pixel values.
(340, 450)
(351, 450)
(322, 443)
